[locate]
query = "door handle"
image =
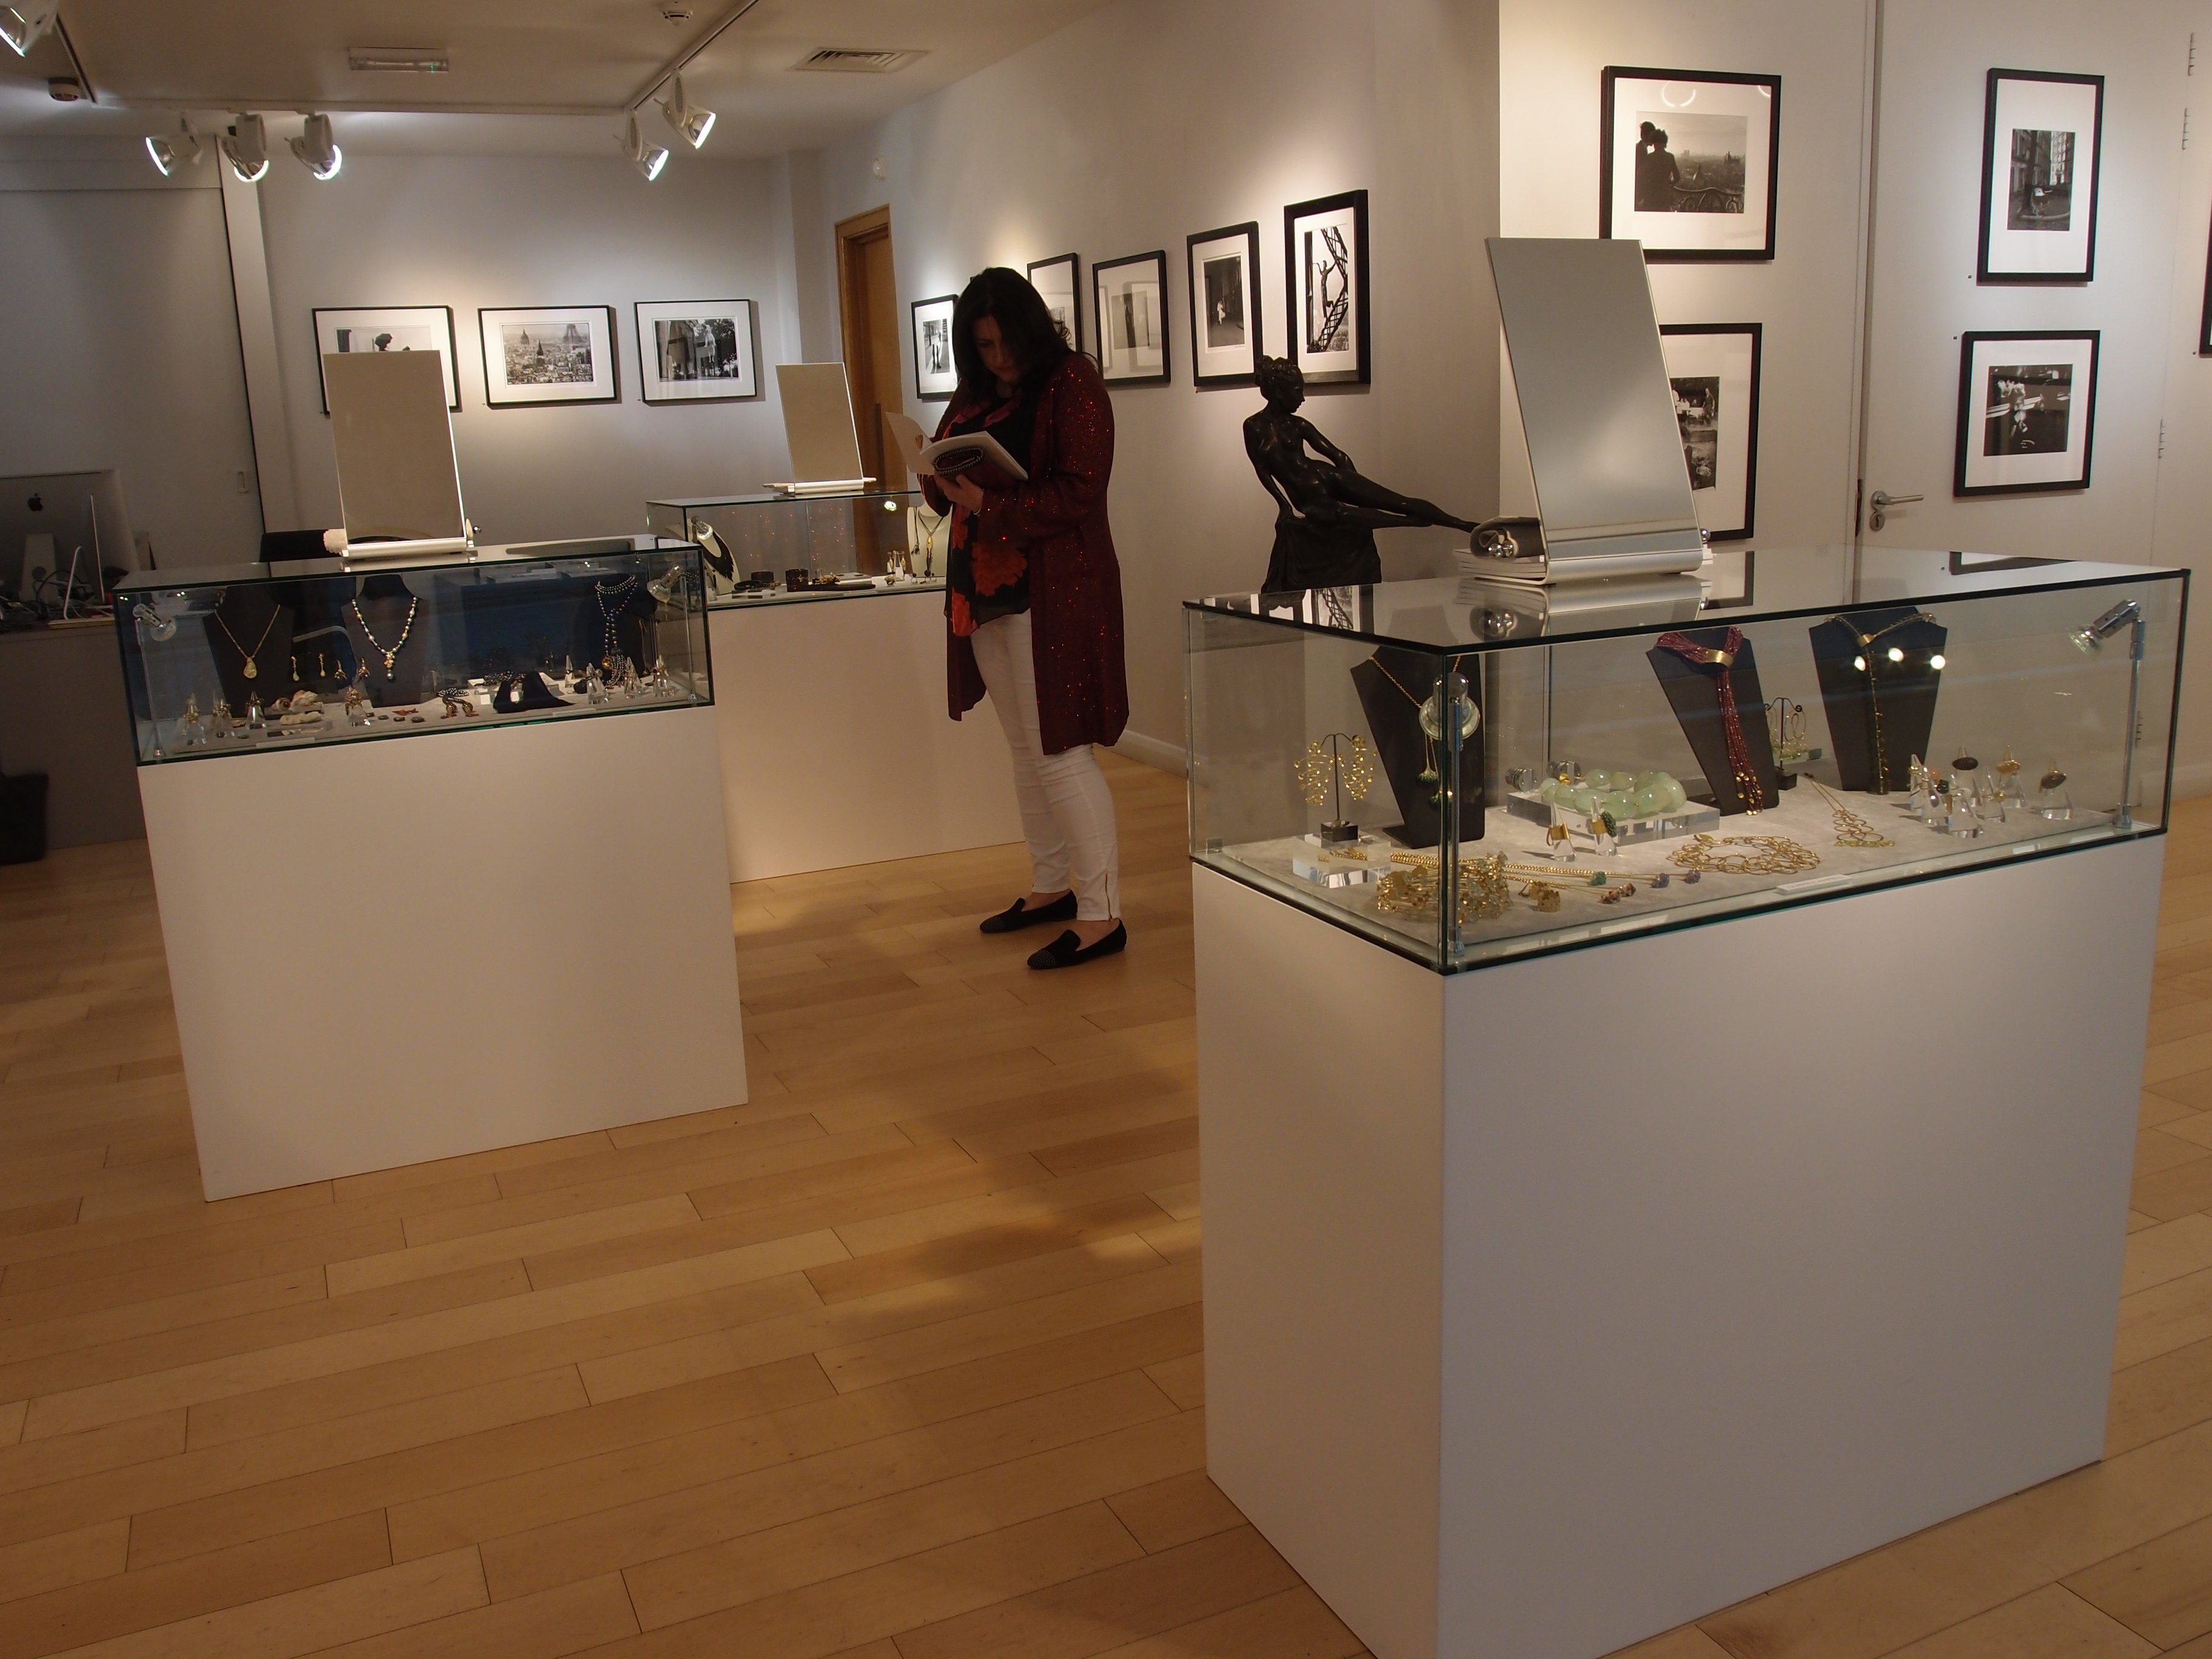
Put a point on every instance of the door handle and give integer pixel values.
(1879, 504)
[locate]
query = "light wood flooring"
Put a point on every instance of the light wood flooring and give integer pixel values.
(900, 1360)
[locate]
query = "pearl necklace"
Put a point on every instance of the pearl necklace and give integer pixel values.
(390, 654)
(611, 621)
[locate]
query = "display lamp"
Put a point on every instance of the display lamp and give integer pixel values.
(180, 149)
(649, 158)
(2090, 641)
(23, 25)
(687, 118)
(246, 147)
(317, 150)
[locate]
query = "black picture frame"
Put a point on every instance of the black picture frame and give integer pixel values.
(2204, 325)
(500, 396)
(651, 388)
(933, 385)
(1256, 331)
(1074, 264)
(1974, 413)
(1340, 368)
(2007, 275)
(418, 316)
(1755, 334)
(1111, 339)
(1608, 228)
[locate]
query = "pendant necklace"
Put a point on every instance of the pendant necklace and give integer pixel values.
(611, 620)
(1433, 717)
(1864, 663)
(252, 671)
(1739, 751)
(390, 653)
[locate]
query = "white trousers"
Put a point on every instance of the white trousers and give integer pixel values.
(1067, 811)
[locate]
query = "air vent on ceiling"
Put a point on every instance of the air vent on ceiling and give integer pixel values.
(398, 60)
(856, 60)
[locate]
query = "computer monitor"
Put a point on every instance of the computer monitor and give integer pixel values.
(47, 517)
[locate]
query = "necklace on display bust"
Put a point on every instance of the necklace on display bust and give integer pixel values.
(252, 670)
(1864, 663)
(1724, 659)
(611, 618)
(389, 653)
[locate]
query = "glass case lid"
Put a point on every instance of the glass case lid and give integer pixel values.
(184, 578)
(1739, 584)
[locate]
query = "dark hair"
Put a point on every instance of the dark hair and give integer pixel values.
(1025, 325)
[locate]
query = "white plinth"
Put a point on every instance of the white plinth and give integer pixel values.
(390, 951)
(1552, 1305)
(835, 746)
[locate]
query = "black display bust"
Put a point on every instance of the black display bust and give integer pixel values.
(1892, 696)
(1694, 690)
(1391, 684)
(248, 626)
(377, 620)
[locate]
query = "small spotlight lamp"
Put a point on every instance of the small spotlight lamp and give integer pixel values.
(317, 150)
(246, 147)
(2089, 640)
(649, 158)
(176, 149)
(23, 24)
(690, 121)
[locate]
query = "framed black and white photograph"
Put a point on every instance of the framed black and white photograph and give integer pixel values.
(1059, 282)
(2027, 411)
(1225, 337)
(696, 351)
(1686, 162)
(2205, 323)
(549, 354)
(2041, 141)
(392, 328)
(1130, 302)
(1713, 370)
(934, 376)
(1325, 263)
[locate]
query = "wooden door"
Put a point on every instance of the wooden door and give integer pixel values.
(868, 290)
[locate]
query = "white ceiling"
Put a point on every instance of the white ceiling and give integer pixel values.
(548, 76)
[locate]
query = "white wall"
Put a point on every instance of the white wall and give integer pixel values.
(1807, 298)
(489, 231)
(1154, 119)
(121, 349)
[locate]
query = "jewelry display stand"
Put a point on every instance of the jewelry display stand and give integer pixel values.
(1897, 699)
(615, 624)
(250, 625)
(385, 617)
(1694, 690)
(1395, 717)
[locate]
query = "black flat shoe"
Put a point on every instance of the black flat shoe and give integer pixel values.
(1020, 915)
(1065, 952)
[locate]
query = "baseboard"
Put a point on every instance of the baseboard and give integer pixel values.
(1165, 756)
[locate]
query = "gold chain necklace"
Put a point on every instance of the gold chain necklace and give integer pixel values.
(391, 655)
(1873, 697)
(1772, 855)
(1432, 715)
(252, 671)
(1851, 830)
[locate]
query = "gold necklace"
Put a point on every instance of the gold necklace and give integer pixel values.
(1865, 665)
(1851, 830)
(391, 655)
(1432, 715)
(1773, 855)
(252, 672)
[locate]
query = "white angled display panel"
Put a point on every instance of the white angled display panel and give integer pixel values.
(1552, 1305)
(390, 951)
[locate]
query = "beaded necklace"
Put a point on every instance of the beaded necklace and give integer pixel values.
(611, 621)
(390, 653)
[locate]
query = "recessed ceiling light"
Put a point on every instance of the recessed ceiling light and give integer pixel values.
(399, 60)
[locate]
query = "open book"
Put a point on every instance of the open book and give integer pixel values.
(945, 457)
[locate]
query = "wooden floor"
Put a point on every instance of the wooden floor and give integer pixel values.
(900, 1360)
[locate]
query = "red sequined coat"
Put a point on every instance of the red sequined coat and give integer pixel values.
(1075, 581)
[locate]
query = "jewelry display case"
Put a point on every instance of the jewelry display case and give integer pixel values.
(801, 677)
(773, 549)
(240, 659)
(1762, 1197)
(467, 886)
(1609, 761)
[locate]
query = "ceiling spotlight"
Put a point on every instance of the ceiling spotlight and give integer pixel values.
(24, 23)
(318, 151)
(650, 158)
(692, 122)
(179, 147)
(246, 147)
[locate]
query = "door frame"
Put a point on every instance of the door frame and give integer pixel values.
(851, 303)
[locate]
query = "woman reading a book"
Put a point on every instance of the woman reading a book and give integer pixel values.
(1034, 600)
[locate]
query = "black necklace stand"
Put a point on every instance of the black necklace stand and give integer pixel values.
(1694, 690)
(253, 616)
(1905, 691)
(1395, 720)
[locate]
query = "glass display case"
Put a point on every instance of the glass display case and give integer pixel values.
(235, 660)
(766, 549)
(1466, 771)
